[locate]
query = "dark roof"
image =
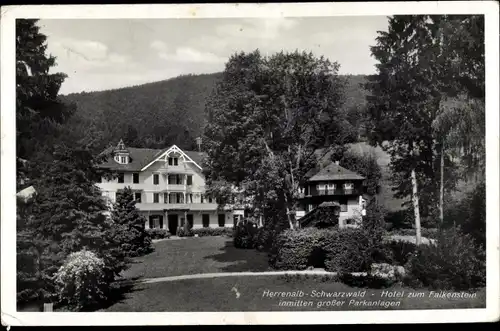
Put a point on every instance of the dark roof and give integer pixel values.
(141, 157)
(335, 172)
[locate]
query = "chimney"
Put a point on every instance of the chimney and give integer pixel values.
(198, 142)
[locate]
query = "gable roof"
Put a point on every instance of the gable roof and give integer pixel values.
(141, 157)
(335, 172)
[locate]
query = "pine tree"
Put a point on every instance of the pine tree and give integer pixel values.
(130, 225)
(39, 112)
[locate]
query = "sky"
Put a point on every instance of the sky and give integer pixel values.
(112, 53)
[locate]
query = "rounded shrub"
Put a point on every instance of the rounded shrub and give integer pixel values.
(81, 281)
(207, 232)
(454, 262)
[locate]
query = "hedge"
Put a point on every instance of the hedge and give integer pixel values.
(338, 250)
(158, 233)
(206, 232)
(425, 232)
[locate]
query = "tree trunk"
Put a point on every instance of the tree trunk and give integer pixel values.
(441, 187)
(416, 207)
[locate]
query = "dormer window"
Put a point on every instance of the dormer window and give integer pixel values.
(121, 153)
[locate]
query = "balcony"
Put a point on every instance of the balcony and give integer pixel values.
(337, 191)
(175, 187)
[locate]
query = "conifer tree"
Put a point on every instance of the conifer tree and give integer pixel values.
(130, 224)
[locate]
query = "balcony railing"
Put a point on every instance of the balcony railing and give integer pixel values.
(337, 191)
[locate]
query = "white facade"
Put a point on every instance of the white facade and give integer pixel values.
(170, 190)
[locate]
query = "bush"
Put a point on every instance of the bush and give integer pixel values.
(81, 281)
(455, 262)
(338, 250)
(365, 281)
(158, 233)
(206, 232)
(399, 251)
(264, 238)
(349, 250)
(181, 232)
(244, 234)
(425, 232)
(295, 248)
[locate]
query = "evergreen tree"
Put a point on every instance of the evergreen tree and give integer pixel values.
(39, 112)
(130, 225)
(68, 214)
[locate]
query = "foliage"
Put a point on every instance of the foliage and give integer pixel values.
(366, 165)
(81, 281)
(399, 251)
(182, 232)
(68, 214)
(335, 249)
(39, 112)
(264, 238)
(454, 263)
(221, 231)
(129, 225)
(158, 233)
(296, 249)
(266, 118)
(244, 234)
(470, 213)
(426, 232)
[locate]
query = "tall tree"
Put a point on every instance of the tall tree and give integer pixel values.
(39, 112)
(266, 118)
(406, 94)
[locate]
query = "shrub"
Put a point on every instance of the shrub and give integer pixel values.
(295, 248)
(263, 238)
(348, 250)
(365, 281)
(425, 232)
(244, 234)
(158, 233)
(81, 280)
(399, 251)
(455, 262)
(181, 232)
(205, 232)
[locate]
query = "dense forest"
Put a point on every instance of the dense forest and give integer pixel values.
(167, 112)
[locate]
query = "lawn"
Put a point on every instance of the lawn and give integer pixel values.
(196, 255)
(248, 293)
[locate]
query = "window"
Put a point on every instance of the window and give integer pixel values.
(348, 186)
(343, 205)
(202, 198)
(331, 187)
(205, 220)
(180, 198)
(165, 198)
(137, 196)
(156, 197)
(156, 179)
(222, 220)
(210, 200)
(189, 180)
(189, 198)
(135, 178)
(123, 159)
(121, 178)
(173, 161)
(321, 189)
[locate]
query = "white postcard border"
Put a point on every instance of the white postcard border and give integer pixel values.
(8, 202)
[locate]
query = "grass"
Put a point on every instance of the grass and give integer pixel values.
(196, 255)
(248, 294)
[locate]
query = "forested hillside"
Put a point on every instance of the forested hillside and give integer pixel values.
(167, 112)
